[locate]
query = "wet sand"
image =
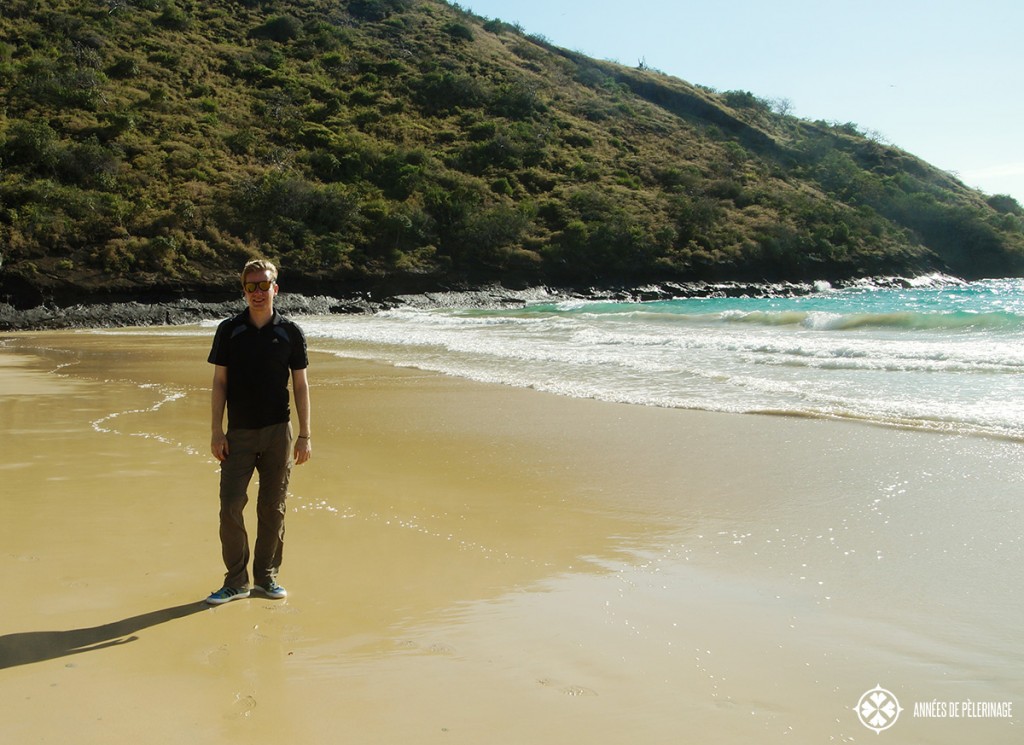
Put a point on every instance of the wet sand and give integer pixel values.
(470, 563)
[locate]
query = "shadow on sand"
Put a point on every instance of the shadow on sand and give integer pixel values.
(37, 646)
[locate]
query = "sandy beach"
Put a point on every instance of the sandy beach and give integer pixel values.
(471, 563)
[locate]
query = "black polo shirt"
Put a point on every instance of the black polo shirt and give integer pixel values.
(259, 362)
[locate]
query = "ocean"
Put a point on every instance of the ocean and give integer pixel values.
(937, 355)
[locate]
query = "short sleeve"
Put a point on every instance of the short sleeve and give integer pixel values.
(299, 359)
(219, 350)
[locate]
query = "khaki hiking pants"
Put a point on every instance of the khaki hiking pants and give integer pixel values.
(268, 452)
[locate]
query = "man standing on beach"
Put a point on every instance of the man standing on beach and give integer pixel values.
(253, 354)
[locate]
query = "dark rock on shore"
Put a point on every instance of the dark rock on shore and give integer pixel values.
(169, 313)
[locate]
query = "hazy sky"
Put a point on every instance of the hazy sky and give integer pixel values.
(942, 79)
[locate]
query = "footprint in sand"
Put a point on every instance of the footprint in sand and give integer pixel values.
(217, 655)
(570, 690)
(284, 609)
(256, 636)
(438, 648)
(578, 691)
(243, 707)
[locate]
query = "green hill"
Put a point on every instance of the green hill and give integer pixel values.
(150, 146)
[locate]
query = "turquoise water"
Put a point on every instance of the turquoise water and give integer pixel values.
(941, 355)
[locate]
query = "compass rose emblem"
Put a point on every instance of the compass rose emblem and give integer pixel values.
(878, 709)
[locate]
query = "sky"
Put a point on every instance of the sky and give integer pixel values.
(942, 79)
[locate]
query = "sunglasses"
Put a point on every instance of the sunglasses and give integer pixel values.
(253, 286)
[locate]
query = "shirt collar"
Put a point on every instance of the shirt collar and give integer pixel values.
(275, 318)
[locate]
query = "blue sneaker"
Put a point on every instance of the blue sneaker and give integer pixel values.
(227, 594)
(271, 589)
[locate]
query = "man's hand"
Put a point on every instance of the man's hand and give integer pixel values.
(219, 446)
(303, 450)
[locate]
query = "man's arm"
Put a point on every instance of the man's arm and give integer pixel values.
(300, 387)
(303, 446)
(219, 399)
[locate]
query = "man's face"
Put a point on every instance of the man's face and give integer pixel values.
(259, 300)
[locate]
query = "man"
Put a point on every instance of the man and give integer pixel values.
(253, 354)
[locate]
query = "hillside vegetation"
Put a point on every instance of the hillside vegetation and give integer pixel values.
(402, 145)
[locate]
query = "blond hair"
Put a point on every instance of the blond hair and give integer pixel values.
(259, 265)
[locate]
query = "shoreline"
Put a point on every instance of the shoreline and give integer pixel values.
(185, 311)
(470, 562)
